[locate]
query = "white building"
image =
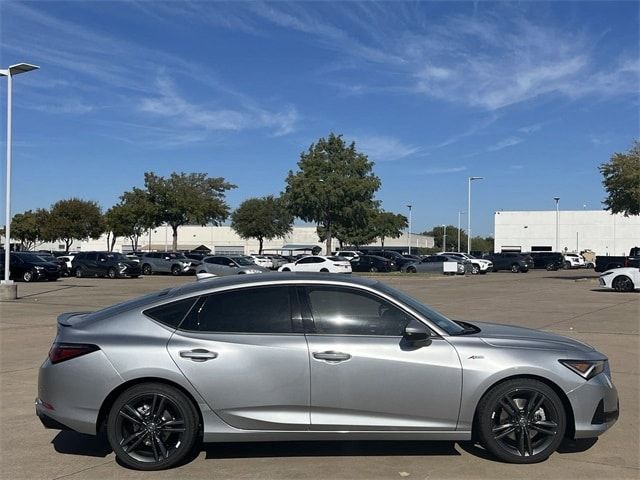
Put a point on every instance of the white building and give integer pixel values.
(578, 230)
(221, 240)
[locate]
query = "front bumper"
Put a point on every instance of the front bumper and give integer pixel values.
(47, 274)
(595, 406)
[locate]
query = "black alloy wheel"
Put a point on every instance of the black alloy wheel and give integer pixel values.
(175, 270)
(515, 268)
(521, 421)
(412, 270)
(146, 269)
(152, 427)
(111, 273)
(622, 284)
(550, 267)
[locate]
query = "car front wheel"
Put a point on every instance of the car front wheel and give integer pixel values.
(521, 421)
(622, 284)
(515, 268)
(175, 270)
(146, 269)
(475, 269)
(111, 273)
(152, 426)
(28, 276)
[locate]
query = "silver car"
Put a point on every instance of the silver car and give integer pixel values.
(221, 265)
(435, 264)
(175, 263)
(314, 357)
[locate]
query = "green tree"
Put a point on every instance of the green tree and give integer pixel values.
(29, 228)
(192, 198)
(74, 219)
(621, 180)
(334, 183)
(388, 225)
(131, 217)
(482, 244)
(262, 218)
(437, 233)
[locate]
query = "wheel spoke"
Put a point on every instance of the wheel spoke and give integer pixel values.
(505, 432)
(527, 441)
(509, 406)
(134, 412)
(130, 418)
(156, 457)
(134, 444)
(534, 403)
(157, 413)
(545, 427)
(125, 441)
(520, 436)
(161, 445)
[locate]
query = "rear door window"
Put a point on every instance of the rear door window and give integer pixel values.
(171, 314)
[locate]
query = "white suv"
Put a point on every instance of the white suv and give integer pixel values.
(573, 260)
(478, 265)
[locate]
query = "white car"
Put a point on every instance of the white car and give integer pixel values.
(478, 265)
(318, 263)
(261, 260)
(348, 254)
(573, 260)
(625, 279)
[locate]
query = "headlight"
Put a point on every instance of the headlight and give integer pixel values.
(37, 267)
(587, 369)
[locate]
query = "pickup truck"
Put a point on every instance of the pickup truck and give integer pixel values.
(604, 263)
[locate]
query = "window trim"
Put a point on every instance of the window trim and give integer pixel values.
(309, 321)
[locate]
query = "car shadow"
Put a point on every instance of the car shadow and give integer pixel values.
(570, 445)
(73, 443)
(573, 277)
(611, 290)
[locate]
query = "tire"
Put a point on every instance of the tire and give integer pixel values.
(111, 273)
(475, 269)
(550, 267)
(175, 270)
(373, 269)
(167, 419)
(622, 283)
(494, 270)
(324, 270)
(79, 272)
(286, 269)
(515, 268)
(567, 265)
(146, 269)
(28, 276)
(505, 408)
(412, 270)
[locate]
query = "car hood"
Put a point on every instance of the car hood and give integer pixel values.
(508, 336)
(45, 264)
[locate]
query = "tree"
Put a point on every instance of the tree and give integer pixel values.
(482, 244)
(187, 198)
(74, 219)
(28, 227)
(131, 217)
(437, 233)
(621, 180)
(389, 225)
(262, 218)
(334, 183)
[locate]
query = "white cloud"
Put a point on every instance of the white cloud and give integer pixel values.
(443, 170)
(505, 143)
(382, 148)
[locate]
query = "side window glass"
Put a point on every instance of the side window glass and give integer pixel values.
(343, 311)
(171, 314)
(252, 310)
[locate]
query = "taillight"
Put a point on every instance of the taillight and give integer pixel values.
(61, 352)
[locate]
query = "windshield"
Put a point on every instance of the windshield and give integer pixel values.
(449, 326)
(32, 257)
(242, 261)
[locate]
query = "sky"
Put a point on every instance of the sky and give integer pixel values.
(532, 96)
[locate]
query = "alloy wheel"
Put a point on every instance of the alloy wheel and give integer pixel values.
(623, 284)
(524, 422)
(150, 428)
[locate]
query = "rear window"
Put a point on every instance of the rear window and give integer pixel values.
(171, 314)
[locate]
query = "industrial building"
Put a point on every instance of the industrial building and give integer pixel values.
(576, 230)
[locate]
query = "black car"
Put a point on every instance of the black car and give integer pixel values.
(513, 261)
(50, 257)
(104, 264)
(29, 267)
(548, 260)
(399, 260)
(372, 263)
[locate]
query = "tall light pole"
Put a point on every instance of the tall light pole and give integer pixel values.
(9, 73)
(444, 238)
(459, 213)
(557, 199)
(470, 179)
(409, 232)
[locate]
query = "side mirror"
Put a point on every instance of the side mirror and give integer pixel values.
(232, 265)
(417, 334)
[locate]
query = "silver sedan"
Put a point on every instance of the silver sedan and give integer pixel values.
(314, 357)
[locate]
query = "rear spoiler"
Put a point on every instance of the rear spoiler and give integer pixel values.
(71, 318)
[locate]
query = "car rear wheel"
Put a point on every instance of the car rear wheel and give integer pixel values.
(324, 270)
(152, 426)
(175, 270)
(521, 421)
(567, 265)
(146, 269)
(79, 272)
(28, 276)
(111, 273)
(286, 269)
(622, 284)
(550, 267)
(412, 270)
(475, 269)
(515, 268)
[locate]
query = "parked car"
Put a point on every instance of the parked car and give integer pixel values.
(222, 265)
(276, 261)
(372, 263)
(607, 262)
(478, 265)
(68, 260)
(60, 261)
(547, 260)
(30, 267)
(175, 263)
(261, 260)
(318, 263)
(290, 357)
(573, 260)
(399, 260)
(625, 279)
(515, 262)
(436, 264)
(348, 254)
(104, 264)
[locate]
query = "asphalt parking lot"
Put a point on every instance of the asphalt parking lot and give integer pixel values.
(566, 302)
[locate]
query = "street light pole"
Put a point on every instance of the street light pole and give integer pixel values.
(557, 199)
(470, 179)
(409, 232)
(459, 213)
(444, 239)
(9, 73)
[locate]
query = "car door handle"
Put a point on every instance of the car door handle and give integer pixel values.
(332, 356)
(198, 355)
